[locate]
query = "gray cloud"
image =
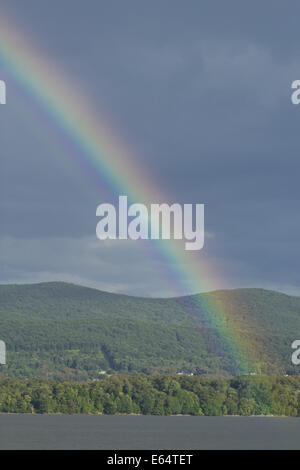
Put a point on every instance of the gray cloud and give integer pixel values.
(112, 265)
(202, 92)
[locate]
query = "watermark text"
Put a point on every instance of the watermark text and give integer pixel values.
(2, 92)
(162, 222)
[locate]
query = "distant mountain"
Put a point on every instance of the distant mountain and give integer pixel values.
(66, 331)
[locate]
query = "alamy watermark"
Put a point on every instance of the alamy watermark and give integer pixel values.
(2, 92)
(295, 98)
(2, 353)
(162, 222)
(296, 353)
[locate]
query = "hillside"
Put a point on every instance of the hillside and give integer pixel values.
(66, 331)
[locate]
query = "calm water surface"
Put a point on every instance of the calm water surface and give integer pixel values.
(147, 432)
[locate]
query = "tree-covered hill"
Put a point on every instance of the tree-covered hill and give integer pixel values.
(66, 331)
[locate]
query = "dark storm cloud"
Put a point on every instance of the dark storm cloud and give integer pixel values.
(202, 92)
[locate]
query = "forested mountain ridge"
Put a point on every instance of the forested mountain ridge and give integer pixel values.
(66, 331)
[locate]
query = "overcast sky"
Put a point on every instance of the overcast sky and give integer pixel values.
(201, 91)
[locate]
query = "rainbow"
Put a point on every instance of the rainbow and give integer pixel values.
(91, 144)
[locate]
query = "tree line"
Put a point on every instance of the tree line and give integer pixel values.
(155, 395)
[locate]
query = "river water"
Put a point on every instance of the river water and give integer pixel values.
(23, 431)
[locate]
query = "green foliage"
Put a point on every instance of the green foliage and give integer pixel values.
(154, 395)
(68, 332)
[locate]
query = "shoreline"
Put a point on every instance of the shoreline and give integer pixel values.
(142, 415)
